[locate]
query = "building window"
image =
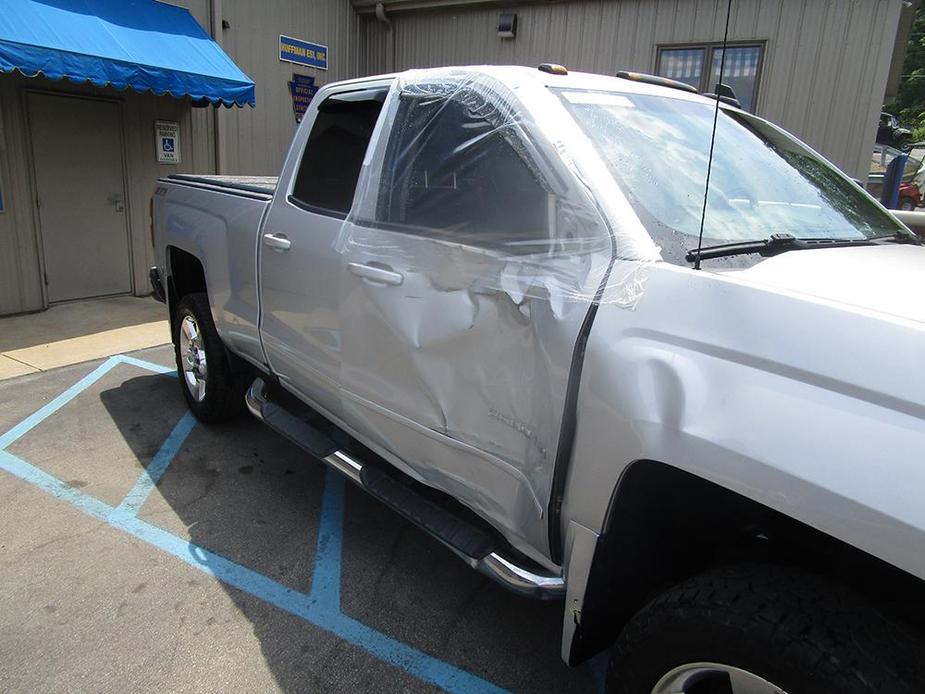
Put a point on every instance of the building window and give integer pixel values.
(699, 66)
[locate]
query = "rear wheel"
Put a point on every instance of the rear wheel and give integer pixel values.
(213, 390)
(907, 204)
(754, 629)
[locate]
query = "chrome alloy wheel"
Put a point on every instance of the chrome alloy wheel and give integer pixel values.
(193, 355)
(727, 679)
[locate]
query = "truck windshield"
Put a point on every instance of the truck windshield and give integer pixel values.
(762, 182)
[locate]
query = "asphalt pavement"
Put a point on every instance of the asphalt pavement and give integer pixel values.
(142, 550)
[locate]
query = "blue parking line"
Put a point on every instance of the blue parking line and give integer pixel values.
(49, 409)
(155, 469)
(317, 609)
(321, 606)
(57, 403)
(149, 365)
(48, 483)
(326, 573)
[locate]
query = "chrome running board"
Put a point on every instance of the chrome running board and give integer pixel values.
(468, 542)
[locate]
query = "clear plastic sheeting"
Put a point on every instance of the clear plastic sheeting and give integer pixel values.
(489, 160)
(483, 227)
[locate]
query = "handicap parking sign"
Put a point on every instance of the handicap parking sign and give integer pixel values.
(167, 139)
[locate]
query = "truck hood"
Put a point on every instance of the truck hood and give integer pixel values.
(885, 279)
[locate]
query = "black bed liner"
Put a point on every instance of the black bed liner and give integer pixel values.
(265, 185)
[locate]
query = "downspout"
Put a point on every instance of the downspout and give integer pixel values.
(218, 115)
(384, 18)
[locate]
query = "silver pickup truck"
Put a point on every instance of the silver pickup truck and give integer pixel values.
(499, 300)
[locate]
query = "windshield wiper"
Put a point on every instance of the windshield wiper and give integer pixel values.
(779, 243)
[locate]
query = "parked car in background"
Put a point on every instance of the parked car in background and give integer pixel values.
(892, 134)
(912, 180)
(918, 178)
(909, 196)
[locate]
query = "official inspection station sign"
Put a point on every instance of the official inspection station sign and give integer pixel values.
(167, 141)
(302, 88)
(303, 52)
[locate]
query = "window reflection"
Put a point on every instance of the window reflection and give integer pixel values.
(762, 181)
(740, 72)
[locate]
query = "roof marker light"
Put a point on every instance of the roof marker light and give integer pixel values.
(553, 69)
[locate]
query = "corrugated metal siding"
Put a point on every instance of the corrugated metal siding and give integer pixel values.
(825, 61)
(20, 264)
(825, 70)
(139, 111)
(20, 278)
(258, 138)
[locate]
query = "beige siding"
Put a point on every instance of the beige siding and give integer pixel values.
(20, 249)
(825, 63)
(825, 69)
(257, 139)
(20, 283)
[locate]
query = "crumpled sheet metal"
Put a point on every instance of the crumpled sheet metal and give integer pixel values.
(505, 225)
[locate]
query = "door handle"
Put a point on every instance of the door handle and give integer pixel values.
(278, 242)
(376, 274)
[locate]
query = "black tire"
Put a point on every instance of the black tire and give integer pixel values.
(907, 204)
(795, 630)
(224, 387)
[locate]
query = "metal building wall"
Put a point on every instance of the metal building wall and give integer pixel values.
(825, 67)
(257, 139)
(21, 284)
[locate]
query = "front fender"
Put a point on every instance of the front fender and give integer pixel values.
(781, 398)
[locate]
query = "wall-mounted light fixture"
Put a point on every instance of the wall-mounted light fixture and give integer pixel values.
(507, 26)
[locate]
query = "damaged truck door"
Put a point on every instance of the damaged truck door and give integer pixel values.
(304, 345)
(449, 341)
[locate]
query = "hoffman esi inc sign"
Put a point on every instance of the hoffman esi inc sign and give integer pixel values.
(303, 52)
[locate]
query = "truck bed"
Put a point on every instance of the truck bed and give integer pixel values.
(216, 220)
(265, 185)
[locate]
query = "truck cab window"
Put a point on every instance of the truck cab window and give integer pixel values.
(333, 155)
(450, 173)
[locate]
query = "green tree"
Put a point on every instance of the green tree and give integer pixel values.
(910, 98)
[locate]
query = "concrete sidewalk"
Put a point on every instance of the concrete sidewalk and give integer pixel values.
(80, 331)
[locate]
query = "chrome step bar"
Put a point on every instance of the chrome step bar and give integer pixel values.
(493, 565)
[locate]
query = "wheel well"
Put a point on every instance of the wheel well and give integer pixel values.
(184, 276)
(665, 525)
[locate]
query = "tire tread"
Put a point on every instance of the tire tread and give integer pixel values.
(225, 387)
(834, 640)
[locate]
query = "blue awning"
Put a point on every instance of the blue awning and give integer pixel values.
(142, 44)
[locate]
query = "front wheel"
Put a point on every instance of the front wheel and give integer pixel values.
(211, 387)
(907, 204)
(764, 630)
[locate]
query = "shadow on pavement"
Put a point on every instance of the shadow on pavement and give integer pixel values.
(244, 492)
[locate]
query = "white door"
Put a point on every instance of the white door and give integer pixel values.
(80, 191)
